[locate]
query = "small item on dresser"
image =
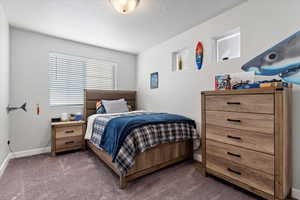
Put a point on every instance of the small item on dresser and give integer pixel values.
(220, 82)
(273, 84)
(239, 80)
(227, 82)
(64, 117)
(245, 85)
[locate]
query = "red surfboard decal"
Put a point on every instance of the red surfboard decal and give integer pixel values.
(199, 55)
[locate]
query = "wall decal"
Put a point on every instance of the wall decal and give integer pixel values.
(12, 108)
(199, 55)
(282, 59)
(154, 80)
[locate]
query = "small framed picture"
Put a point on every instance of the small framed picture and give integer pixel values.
(154, 80)
(220, 82)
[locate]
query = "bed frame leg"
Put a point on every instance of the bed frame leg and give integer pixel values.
(123, 182)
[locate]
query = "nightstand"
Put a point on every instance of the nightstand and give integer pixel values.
(67, 136)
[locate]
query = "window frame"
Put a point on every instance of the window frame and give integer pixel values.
(230, 34)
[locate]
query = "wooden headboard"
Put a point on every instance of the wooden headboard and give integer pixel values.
(92, 96)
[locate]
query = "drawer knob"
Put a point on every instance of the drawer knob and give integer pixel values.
(233, 154)
(233, 103)
(234, 171)
(234, 120)
(70, 131)
(70, 142)
(234, 137)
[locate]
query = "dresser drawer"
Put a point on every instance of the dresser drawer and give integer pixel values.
(252, 159)
(242, 138)
(263, 123)
(69, 143)
(263, 103)
(246, 175)
(68, 131)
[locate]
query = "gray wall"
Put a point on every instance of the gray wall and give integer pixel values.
(262, 24)
(4, 84)
(29, 82)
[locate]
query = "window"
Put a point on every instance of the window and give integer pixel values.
(228, 46)
(70, 75)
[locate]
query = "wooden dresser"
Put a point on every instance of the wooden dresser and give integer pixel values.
(67, 136)
(246, 139)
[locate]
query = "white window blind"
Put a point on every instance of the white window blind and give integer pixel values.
(100, 75)
(70, 75)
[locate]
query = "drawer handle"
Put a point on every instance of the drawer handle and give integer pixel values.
(234, 120)
(234, 171)
(234, 103)
(71, 131)
(233, 137)
(233, 154)
(70, 142)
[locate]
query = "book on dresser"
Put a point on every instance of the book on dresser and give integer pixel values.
(246, 139)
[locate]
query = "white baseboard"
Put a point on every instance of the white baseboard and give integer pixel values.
(296, 193)
(21, 154)
(31, 152)
(4, 164)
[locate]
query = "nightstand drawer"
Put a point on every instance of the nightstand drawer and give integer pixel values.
(68, 131)
(70, 142)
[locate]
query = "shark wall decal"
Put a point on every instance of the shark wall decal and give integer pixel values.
(283, 60)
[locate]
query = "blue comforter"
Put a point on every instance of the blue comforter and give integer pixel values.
(117, 129)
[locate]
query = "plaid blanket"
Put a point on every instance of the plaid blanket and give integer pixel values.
(143, 138)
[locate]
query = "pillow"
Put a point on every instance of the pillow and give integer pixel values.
(115, 106)
(100, 108)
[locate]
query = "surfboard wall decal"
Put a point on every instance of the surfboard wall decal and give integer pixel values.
(283, 60)
(199, 55)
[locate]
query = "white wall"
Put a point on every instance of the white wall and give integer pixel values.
(4, 84)
(262, 24)
(29, 82)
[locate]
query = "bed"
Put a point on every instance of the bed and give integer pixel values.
(145, 162)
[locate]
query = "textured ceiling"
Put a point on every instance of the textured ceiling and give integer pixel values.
(96, 22)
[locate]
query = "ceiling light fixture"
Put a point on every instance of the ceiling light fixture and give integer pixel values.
(125, 6)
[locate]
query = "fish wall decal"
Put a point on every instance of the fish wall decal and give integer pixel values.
(283, 60)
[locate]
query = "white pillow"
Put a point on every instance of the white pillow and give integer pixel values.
(115, 106)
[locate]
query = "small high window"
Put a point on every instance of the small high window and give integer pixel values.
(228, 46)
